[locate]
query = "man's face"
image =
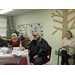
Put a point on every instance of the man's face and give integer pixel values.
(36, 37)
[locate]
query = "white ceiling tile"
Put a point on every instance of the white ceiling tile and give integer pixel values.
(20, 11)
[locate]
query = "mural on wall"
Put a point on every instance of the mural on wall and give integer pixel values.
(64, 21)
(36, 27)
(22, 29)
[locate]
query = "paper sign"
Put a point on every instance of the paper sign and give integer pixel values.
(36, 27)
(22, 29)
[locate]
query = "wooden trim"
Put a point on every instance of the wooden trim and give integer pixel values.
(5, 39)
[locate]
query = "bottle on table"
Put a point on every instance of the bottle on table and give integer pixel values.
(20, 45)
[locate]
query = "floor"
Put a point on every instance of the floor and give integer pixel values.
(49, 63)
(43, 64)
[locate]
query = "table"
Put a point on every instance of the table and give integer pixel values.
(8, 58)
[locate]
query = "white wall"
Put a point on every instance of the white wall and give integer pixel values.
(45, 17)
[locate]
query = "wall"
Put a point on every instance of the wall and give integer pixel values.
(3, 16)
(44, 16)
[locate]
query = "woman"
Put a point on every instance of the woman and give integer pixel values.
(15, 41)
(68, 45)
(2, 42)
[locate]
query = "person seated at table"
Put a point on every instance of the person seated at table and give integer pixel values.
(38, 49)
(15, 42)
(68, 45)
(2, 42)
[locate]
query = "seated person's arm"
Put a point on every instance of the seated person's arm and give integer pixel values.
(62, 44)
(72, 45)
(44, 50)
(3, 43)
(28, 46)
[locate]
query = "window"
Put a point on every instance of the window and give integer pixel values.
(3, 26)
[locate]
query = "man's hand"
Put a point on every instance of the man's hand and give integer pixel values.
(28, 51)
(64, 45)
(22, 49)
(36, 56)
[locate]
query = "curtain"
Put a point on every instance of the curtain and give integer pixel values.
(10, 27)
(8, 32)
(12, 24)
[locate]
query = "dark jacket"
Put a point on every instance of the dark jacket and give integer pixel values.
(39, 47)
(2, 43)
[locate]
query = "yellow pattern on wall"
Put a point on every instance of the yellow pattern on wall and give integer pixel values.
(64, 21)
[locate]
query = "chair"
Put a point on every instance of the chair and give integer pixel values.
(23, 61)
(59, 54)
(23, 44)
(47, 59)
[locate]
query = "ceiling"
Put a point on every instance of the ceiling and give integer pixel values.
(19, 11)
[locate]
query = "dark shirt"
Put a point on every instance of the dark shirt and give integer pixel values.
(2, 43)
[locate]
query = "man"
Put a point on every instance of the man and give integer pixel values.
(38, 49)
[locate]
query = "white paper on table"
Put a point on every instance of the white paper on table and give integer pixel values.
(4, 49)
(16, 48)
(18, 53)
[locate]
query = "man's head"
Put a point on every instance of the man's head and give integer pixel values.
(36, 35)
